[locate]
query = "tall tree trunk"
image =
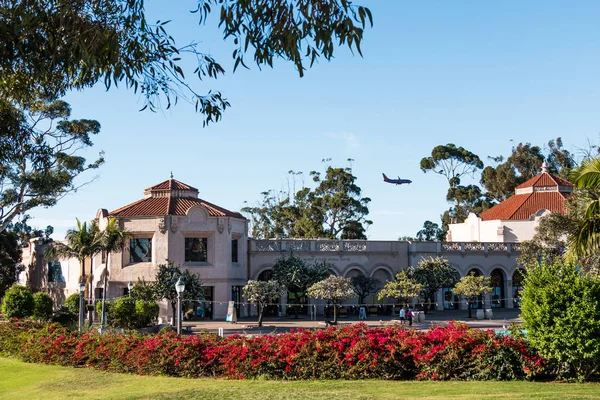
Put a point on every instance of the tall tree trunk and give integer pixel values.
(260, 314)
(105, 289)
(469, 306)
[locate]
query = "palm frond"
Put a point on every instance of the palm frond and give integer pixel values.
(587, 176)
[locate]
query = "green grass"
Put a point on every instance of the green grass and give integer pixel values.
(19, 380)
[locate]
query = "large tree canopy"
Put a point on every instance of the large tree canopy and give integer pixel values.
(51, 46)
(10, 260)
(39, 155)
(524, 163)
(497, 181)
(334, 209)
(451, 162)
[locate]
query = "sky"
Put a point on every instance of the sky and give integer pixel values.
(482, 75)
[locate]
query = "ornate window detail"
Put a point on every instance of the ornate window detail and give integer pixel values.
(355, 246)
(140, 250)
(328, 246)
(55, 272)
(196, 249)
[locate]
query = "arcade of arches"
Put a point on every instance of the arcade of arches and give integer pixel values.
(501, 267)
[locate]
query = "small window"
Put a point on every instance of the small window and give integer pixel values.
(196, 249)
(234, 250)
(140, 250)
(55, 272)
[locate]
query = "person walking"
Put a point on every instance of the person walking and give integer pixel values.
(402, 315)
(409, 316)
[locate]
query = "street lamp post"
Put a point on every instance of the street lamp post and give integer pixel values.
(81, 306)
(130, 286)
(179, 287)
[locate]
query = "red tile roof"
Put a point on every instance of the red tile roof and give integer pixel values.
(157, 206)
(171, 184)
(160, 202)
(522, 206)
(545, 179)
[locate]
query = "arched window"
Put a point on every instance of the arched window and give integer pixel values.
(497, 283)
(272, 310)
(517, 286)
(479, 302)
(451, 300)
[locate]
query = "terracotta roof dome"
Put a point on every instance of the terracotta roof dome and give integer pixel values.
(170, 197)
(542, 192)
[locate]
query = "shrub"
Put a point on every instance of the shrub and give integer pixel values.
(18, 302)
(43, 306)
(561, 312)
(72, 303)
(146, 312)
(128, 313)
(64, 317)
(123, 313)
(143, 290)
(353, 352)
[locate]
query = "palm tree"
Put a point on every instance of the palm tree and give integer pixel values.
(80, 243)
(112, 239)
(586, 239)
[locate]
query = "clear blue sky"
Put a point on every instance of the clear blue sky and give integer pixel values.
(473, 73)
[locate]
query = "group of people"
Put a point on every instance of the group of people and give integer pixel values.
(406, 314)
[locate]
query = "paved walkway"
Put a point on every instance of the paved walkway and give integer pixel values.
(501, 318)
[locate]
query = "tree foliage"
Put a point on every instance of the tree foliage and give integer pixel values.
(451, 162)
(550, 241)
(585, 239)
(334, 209)
(143, 290)
(262, 293)
(43, 306)
(82, 243)
(335, 289)
(40, 155)
(364, 286)
(17, 302)
(25, 232)
(434, 273)
(403, 288)
(561, 311)
(164, 284)
(472, 286)
(74, 45)
(10, 260)
(296, 275)
(430, 232)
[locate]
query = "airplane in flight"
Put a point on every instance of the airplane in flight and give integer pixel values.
(396, 181)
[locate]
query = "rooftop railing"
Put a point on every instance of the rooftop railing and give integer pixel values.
(361, 246)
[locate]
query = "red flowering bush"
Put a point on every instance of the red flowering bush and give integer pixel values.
(352, 352)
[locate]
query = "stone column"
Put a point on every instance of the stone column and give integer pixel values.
(440, 302)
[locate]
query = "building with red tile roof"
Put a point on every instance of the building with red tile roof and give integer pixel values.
(515, 219)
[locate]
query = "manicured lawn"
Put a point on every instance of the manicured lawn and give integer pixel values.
(19, 380)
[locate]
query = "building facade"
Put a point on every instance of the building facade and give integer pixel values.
(516, 218)
(171, 223)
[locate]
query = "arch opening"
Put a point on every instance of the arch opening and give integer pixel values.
(517, 286)
(497, 296)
